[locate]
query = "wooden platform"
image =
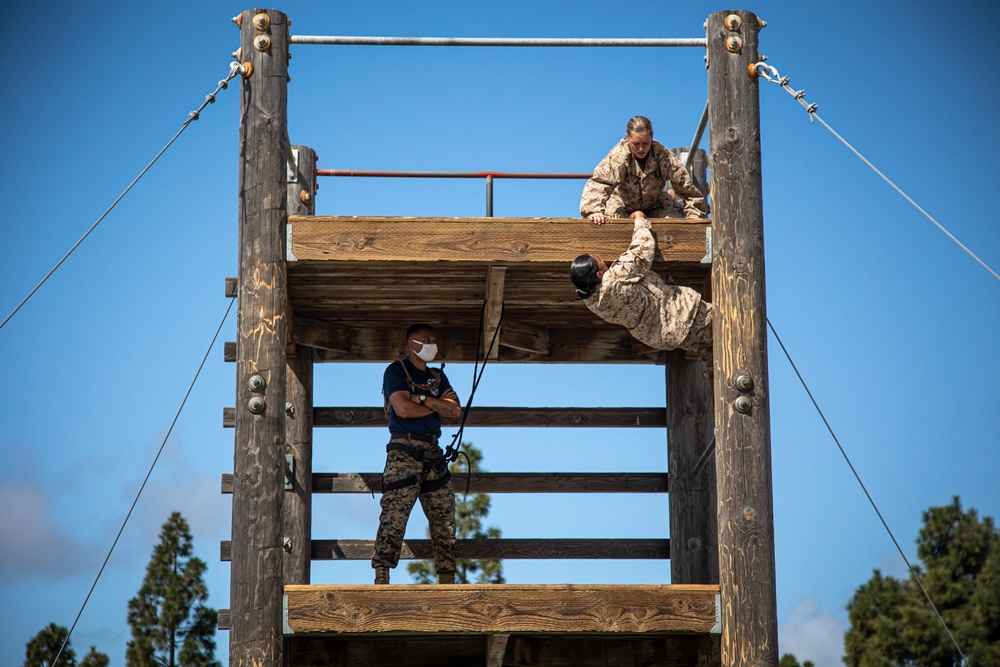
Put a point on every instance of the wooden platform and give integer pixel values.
(552, 625)
(354, 282)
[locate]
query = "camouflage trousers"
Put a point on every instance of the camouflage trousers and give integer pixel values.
(663, 207)
(438, 505)
(699, 338)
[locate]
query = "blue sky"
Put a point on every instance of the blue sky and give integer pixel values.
(893, 326)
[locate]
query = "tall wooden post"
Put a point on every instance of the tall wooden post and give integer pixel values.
(694, 555)
(694, 528)
(743, 427)
(297, 509)
(255, 638)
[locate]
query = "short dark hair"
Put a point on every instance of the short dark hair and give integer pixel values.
(419, 326)
(583, 273)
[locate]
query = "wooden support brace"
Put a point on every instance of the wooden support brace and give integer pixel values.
(496, 648)
(495, 276)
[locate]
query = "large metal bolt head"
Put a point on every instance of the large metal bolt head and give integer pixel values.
(733, 22)
(305, 197)
(257, 383)
(262, 21)
(256, 405)
(744, 382)
(734, 44)
(262, 43)
(742, 405)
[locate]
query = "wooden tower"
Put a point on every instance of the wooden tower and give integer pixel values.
(302, 279)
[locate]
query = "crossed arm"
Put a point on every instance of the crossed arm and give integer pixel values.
(408, 405)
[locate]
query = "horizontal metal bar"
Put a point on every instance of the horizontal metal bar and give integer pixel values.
(497, 41)
(450, 174)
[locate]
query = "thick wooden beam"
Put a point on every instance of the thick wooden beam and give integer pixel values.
(500, 482)
(743, 423)
(504, 240)
(500, 417)
(600, 549)
(489, 608)
(694, 526)
(255, 588)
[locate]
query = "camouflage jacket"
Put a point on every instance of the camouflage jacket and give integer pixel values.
(633, 295)
(638, 189)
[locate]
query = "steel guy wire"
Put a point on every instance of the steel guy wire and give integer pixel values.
(142, 486)
(913, 572)
(770, 73)
(234, 69)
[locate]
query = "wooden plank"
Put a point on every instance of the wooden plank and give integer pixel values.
(501, 608)
(478, 240)
(600, 549)
(255, 575)
(381, 649)
(743, 422)
(498, 417)
(578, 340)
(499, 482)
(523, 337)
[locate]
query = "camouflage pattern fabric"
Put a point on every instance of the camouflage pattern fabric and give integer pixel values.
(660, 315)
(438, 506)
(620, 186)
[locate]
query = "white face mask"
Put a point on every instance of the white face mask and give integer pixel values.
(427, 352)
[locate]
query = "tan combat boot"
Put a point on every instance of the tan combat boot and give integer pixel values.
(381, 575)
(446, 577)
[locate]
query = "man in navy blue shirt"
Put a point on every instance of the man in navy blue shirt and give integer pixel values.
(416, 398)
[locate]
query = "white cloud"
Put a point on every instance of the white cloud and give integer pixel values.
(812, 634)
(33, 545)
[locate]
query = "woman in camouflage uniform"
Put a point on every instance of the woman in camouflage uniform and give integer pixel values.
(663, 315)
(632, 181)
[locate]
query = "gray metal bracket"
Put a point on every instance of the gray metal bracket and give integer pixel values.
(717, 628)
(285, 628)
(707, 259)
(289, 255)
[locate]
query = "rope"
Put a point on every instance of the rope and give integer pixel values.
(913, 572)
(234, 69)
(769, 73)
(142, 486)
(453, 450)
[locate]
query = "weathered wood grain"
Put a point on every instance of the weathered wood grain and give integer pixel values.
(490, 608)
(497, 417)
(743, 430)
(601, 549)
(255, 581)
(478, 240)
(499, 482)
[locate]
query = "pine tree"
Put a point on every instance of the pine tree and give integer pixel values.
(469, 514)
(891, 621)
(43, 648)
(789, 660)
(171, 627)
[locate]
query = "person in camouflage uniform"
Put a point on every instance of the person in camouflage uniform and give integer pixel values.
(634, 178)
(662, 315)
(416, 396)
